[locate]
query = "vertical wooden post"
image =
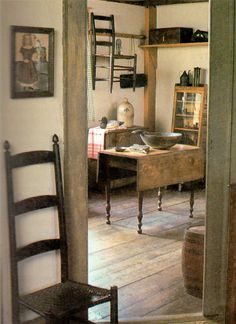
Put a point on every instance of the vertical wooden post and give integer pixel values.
(150, 62)
(219, 154)
(231, 280)
(75, 116)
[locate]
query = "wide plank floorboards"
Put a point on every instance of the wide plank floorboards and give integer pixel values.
(146, 268)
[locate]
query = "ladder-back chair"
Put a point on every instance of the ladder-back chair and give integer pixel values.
(67, 299)
(100, 53)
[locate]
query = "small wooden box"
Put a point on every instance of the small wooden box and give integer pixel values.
(170, 35)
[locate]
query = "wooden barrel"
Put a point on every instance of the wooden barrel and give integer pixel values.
(192, 260)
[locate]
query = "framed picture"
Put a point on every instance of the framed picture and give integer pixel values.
(32, 62)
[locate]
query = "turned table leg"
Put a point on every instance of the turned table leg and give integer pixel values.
(108, 203)
(191, 201)
(159, 202)
(140, 211)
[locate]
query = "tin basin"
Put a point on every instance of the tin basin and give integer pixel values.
(159, 140)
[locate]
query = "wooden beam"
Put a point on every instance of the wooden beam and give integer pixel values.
(174, 45)
(132, 2)
(231, 284)
(170, 2)
(150, 3)
(219, 148)
(75, 130)
(150, 61)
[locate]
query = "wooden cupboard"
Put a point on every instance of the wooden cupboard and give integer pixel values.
(190, 114)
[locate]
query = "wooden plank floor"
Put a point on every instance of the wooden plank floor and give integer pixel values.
(146, 268)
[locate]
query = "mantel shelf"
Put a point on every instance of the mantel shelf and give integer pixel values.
(174, 45)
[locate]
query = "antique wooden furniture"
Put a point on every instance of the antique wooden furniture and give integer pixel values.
(192, 260)
(113, 138)
(190, 115)
(60, 302)
(158, 168)
(173, 35)
(104, 50)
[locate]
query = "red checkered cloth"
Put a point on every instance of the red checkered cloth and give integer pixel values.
(96, 141)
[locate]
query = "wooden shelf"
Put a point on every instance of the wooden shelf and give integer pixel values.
(188, 101)
(185, 115)
(121, 35)
(187, 129)
(174, 45)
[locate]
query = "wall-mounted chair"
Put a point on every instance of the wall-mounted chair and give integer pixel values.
(67, 299)
(104, 50)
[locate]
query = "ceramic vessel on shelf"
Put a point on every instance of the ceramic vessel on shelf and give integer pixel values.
(125, 113)
(159, 140)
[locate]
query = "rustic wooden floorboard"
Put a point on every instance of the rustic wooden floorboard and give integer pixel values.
(147, 267)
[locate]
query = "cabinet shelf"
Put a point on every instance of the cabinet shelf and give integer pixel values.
(188, 101)
(174, 45)
(185, 115)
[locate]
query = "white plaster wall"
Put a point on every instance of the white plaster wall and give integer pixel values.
(171, 62)
(29, 124)
(128, 19)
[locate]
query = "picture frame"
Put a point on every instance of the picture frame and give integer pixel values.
(32, 62)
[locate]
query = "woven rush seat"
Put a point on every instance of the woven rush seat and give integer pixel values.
(64, 298)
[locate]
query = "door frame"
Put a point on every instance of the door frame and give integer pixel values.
(221, 158)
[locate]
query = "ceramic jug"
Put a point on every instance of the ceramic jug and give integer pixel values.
(125, 113)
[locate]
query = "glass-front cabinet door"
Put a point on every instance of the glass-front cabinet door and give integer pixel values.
(189, 104)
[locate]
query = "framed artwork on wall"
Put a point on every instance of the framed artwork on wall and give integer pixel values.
(32, 62)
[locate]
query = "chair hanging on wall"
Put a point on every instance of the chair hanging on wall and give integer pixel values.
(103, 52)
(66, 300)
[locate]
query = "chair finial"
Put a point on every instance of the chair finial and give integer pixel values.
(6, 146)
(55, 139)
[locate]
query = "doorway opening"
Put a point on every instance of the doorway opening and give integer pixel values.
(147, 267)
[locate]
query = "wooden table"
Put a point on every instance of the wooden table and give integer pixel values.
(158, 168)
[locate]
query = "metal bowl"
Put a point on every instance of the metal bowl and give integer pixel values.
(160, 140)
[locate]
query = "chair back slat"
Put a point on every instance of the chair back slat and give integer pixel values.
(31, 158)
(34, 203)
(37, 248)
(100, 17)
